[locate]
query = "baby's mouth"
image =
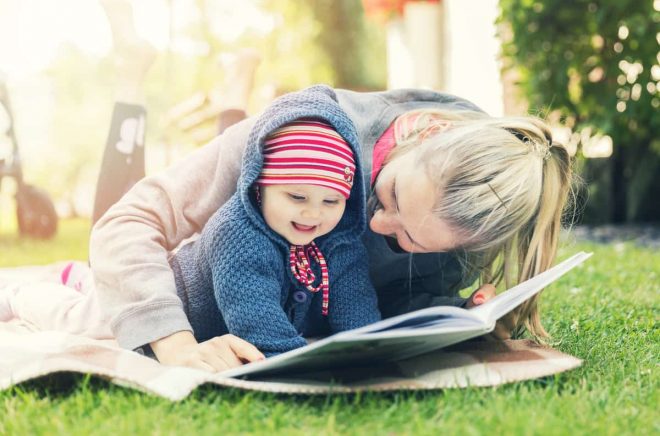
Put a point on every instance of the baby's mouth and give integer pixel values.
(303, 228)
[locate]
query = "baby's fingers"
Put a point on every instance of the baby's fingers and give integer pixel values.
(243, 349)
(200, 364)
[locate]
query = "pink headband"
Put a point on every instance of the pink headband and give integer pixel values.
(308, 152)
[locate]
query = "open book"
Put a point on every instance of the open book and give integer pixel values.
(403, 336)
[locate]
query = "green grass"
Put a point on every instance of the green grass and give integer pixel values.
(606, 313)
(70, 242)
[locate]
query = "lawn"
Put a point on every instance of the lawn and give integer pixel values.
(606, 313)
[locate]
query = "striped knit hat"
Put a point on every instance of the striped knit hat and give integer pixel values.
(308, 152)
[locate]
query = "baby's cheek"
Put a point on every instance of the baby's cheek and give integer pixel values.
(338, 218)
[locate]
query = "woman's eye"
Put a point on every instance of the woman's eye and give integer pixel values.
(393, 195)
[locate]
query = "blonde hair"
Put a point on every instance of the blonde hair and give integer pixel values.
(502, 184)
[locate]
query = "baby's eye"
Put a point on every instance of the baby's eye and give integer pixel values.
(296, 197)
(331, 202)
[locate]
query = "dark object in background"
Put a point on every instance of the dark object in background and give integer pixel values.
(35, 211)
(123, 158)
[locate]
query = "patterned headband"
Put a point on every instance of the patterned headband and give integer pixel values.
(308, 152)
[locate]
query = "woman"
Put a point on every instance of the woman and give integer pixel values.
(443, 176)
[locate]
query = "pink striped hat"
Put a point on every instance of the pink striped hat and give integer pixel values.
(308, 152)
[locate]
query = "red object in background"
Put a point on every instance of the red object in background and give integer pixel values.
(384, 10)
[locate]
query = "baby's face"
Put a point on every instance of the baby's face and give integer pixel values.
(301, 213)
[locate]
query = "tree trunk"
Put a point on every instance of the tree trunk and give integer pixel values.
(619, 185)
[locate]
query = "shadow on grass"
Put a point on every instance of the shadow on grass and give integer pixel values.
(64, 386)
(209, 393)
(60, 385)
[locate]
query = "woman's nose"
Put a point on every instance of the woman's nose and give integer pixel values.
(383, 223)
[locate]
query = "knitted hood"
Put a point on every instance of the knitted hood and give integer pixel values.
(319, 102)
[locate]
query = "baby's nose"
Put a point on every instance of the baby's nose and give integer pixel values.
(311, 212)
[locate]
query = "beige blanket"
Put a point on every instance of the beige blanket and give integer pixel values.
(26, 354)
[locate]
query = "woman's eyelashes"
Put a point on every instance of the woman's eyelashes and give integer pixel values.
(393, 196)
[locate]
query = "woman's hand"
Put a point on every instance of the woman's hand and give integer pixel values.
(480, 296)
(216, 354)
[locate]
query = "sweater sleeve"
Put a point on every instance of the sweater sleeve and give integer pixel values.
(353, 302)
(130, 244)
(247, 281)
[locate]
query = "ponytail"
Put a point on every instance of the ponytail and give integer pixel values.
(537, 244)
(503, 184)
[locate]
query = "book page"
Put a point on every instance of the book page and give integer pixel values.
(340, 351)
(432, 317)
(508, 300)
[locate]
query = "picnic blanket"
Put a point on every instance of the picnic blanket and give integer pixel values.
(27, 352)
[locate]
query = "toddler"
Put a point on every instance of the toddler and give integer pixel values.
(282, 259)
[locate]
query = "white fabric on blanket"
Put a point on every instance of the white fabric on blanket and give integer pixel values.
(36, 297)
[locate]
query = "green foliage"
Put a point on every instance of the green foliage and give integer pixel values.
(310, 42)
(356, 58)
(292, 57)
(324, 41)
(595, 62)
(606, 312)
(83, 98)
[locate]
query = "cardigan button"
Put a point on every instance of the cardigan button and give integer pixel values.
(300, 296)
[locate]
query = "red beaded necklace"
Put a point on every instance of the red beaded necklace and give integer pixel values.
(299, 263)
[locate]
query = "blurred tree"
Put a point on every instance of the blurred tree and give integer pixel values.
(595, 62)
(292, 56)
(318, 41)
(78, 127)
(354, 47)
(309, 42)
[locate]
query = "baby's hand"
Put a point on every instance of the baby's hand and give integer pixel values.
(216, 354)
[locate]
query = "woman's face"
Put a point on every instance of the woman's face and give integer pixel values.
(406, 198)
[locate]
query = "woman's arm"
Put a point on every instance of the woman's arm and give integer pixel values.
(130, 244)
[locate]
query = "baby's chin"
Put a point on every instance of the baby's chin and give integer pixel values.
(302, 239)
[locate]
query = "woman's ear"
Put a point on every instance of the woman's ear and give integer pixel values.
(438, 126)
(443, 125)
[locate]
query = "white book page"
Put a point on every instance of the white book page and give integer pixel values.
(431, 317)
(342, 351)
(508, 300)
(390, 339)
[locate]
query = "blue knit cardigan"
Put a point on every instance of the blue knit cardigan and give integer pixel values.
(236, 279)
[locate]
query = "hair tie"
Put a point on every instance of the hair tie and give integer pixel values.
(547, 153)
(540, 149)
